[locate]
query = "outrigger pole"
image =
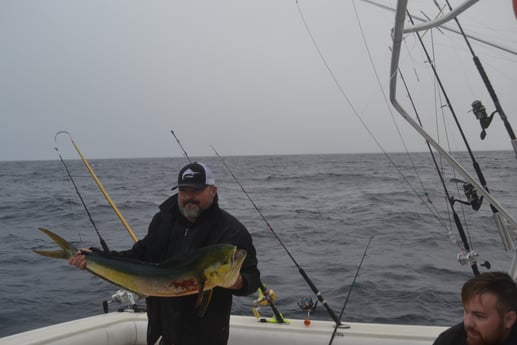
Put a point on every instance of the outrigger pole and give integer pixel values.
(471, 36)
(398, 31)
(300, 269)
(101, 187)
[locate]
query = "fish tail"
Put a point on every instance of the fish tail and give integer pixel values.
(67, 251)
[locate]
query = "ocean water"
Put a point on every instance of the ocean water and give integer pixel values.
(324, 208)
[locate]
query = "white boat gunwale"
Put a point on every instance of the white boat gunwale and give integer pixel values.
(130, 328)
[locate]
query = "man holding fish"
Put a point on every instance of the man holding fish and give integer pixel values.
(187, 222)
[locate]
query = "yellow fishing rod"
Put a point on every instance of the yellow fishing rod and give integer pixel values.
(99, 184)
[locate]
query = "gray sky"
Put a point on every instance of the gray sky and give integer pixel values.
(241, 75)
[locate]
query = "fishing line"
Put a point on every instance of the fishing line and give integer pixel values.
(265, 291)
(456, 218)
(437, 167)
(351, 287)
(358, 116)
(103, 243)
(300, 269)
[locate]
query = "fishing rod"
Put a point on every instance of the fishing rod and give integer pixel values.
(351, 287)
(265, 291)
(99, 184)
(395, 60)
(484, 120)
(477, 108)
(469, 256)
(477, 168)
(121, 295)
(103, 243)
(181, 146)
(300, 269)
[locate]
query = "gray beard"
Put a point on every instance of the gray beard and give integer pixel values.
(193, 214)
(190, 213)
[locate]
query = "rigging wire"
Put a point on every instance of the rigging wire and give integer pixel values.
(445, 27)
(437, 167)
(356, 112)
(386, 101)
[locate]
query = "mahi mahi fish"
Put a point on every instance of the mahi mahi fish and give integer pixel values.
(202, 270)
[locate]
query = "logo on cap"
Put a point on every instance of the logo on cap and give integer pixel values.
(189, 173)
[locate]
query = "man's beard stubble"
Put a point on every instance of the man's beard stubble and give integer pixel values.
(480, 340)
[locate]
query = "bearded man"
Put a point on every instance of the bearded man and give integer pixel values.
(187, 221)
(490, 312)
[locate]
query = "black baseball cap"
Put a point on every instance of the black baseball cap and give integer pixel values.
(195, 175)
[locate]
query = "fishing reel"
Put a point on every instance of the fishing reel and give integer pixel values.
(472, 196)
(484, 120)
(307, 304)
(122, 296)
(470, 258)
(266, 297)
(473, 199)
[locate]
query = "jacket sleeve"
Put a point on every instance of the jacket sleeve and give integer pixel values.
(452, 336)
(249, 270)
(250, 273)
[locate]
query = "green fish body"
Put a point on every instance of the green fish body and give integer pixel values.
(204, 269)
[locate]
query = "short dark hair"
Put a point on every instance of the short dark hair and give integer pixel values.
(498, 283)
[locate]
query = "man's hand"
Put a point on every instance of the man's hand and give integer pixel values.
(238, 284)
(79, 259)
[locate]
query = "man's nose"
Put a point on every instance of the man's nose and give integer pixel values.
(467, 319)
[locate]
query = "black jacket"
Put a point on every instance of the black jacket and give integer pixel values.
(172, 235)
(456, 336)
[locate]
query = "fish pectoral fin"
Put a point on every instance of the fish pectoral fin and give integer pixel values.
(203, 300)
(200, 293)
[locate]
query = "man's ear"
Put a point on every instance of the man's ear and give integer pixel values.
(510, 318)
